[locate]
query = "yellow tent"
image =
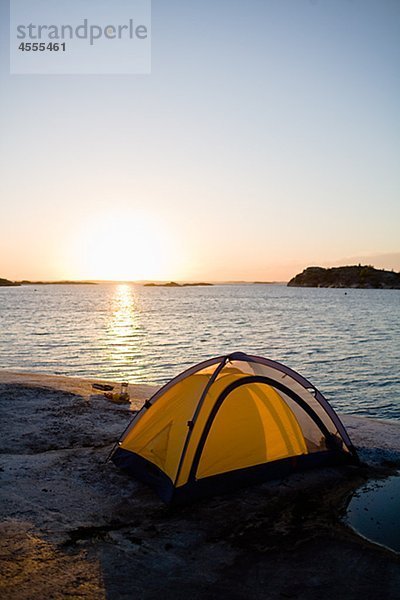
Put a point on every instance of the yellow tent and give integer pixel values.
(227, 422)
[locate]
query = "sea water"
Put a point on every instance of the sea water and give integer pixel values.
(374, 509)
(346, 342)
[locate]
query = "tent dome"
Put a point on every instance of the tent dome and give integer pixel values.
(228, 422)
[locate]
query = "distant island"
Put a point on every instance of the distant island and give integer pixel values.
(174, 284)
(8, 283)
(356, 276)
(66, 282)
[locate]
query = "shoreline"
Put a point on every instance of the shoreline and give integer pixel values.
(139, 392)
(75, 525)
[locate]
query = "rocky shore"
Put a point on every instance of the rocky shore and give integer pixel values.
(73, 526)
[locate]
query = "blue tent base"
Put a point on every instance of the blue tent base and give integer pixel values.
(149, 473)
(145, 471)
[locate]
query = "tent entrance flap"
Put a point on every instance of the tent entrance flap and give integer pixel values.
(252, 426)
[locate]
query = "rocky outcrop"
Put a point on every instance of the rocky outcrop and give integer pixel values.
(347, 277)
(72, 525)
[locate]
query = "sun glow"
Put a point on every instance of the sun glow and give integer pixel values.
(124, 247)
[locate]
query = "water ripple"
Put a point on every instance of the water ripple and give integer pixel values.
(347, 345)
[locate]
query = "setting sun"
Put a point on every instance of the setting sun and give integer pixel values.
(123, 247)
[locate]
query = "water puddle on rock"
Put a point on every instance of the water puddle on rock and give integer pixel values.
(374, 512)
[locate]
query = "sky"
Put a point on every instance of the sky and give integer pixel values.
(264, 140)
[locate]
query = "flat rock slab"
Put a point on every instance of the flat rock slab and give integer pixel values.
(75, 526)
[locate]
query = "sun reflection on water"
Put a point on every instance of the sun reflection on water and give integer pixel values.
(124, 328)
